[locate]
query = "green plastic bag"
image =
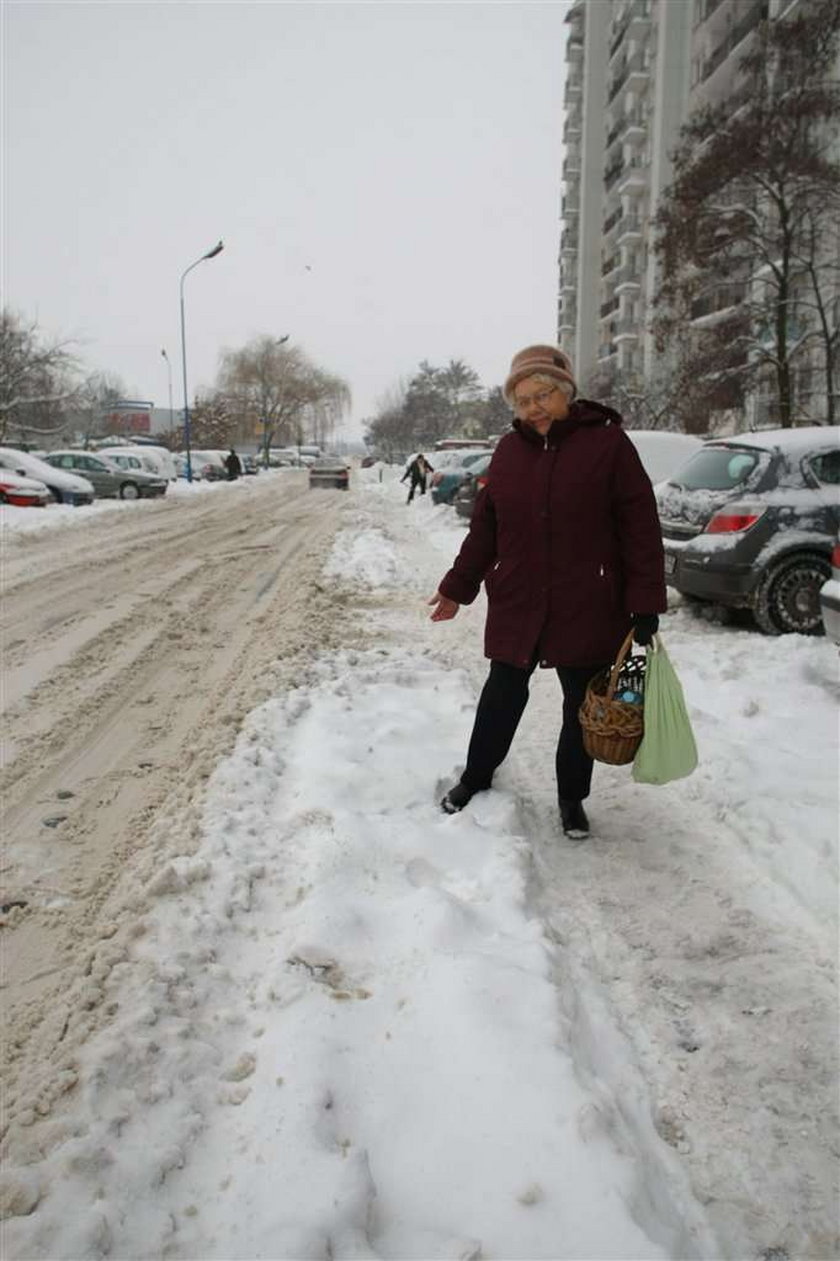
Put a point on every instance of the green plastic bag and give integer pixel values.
(668, 750)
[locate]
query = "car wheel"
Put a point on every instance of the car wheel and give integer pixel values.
(129, 490)
(787, 598)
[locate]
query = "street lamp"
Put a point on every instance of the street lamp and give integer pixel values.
(169, 376)
(217, 249)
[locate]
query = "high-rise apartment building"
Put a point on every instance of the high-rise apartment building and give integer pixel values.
(635, 69)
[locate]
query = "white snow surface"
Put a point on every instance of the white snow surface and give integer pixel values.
(351, 1026)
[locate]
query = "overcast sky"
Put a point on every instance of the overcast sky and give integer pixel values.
(386, 179)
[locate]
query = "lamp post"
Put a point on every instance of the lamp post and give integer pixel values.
(217, 249)
(169, 376)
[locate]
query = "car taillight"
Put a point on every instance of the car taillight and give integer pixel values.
(481, 482)
(835, 556)
(734, 519)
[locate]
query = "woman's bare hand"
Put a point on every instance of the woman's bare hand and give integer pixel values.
(444, 608)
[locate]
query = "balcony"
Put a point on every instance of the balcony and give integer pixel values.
(633, 119)
(634, 69)
(607, 349)
(630, 225)
(611, 221)
(571, 127)
(607, 308)
(723, 299)
(612, 173)
(628, 278)
(634, 176)
(636, 15)
(574, 47)
(627, 328)
(572, 90)
(739, 32)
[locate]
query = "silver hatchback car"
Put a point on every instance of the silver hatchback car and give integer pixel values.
(110, 480)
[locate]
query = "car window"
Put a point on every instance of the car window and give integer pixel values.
(65, 461)
(718, 468)
(95, 466)
(826, 468)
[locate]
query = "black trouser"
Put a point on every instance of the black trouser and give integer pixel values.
(500, 707)
(417, 483)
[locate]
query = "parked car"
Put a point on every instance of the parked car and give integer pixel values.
(155, 459)
(65, 487)
(22, 492)
(250, 468)
(830, 597)
(750, 522)
(208, 466)
(662, 452)
(445, 481)
(110, 480)
(330, 472)
(467, 492)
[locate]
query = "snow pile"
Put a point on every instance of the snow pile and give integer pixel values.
(363, 558)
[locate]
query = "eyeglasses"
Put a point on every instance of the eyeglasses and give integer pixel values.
(522, 404)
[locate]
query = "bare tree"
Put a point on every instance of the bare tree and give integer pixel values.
(750, 217)
(36, 378)
(274, 387)
(90, 407)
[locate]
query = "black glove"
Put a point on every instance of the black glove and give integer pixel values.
(645, 626)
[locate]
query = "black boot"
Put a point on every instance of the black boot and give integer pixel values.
(575, 822)
(457, 798)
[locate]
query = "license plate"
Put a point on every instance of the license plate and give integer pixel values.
(670, 562)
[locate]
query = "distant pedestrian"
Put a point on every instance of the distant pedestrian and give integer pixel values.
(233, 464)
(418, 470)
(566, 539)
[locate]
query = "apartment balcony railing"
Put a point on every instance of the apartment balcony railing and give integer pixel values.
(738, 32)
(607, 308)
(633, 173)
(637, 11)
(612, 173)
(634, 66)
(627, 275)
(574, 46)
(632, 119)
(630, 225)
(572, 90)
(720, 300)
(628, 328)
(610, 264)
(571, 127)
(610, 222)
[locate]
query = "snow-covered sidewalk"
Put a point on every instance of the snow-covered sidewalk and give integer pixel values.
(345, 1025)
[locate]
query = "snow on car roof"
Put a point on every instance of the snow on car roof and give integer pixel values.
(791, 441)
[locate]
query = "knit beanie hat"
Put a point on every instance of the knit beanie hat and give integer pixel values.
(548, 360)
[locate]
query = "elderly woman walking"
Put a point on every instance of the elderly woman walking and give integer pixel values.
(565, 537)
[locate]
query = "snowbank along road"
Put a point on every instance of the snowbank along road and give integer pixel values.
(263, 1000)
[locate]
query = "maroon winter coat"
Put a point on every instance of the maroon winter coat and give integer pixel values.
(566, 538)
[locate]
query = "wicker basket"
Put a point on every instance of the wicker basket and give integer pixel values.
(612, 729)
